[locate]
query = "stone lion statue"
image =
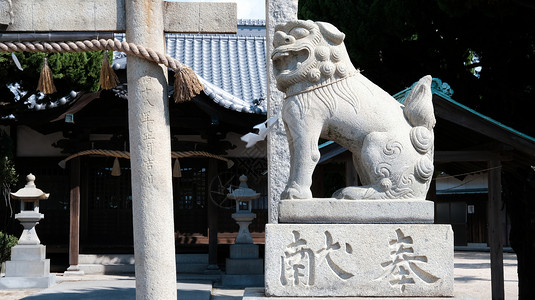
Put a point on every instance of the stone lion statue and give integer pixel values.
(326, 96)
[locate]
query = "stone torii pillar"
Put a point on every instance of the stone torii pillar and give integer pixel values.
(150, 148)
(277, 12)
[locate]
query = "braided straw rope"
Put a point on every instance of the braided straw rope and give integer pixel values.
(125, 154)
(182, 72)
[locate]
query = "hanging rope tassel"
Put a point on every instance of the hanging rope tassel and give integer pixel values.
(177, 173)
(108, 78)
(116, 170)
(187, 85)
(46, 83)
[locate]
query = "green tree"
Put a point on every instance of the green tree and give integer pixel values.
(396, 42)
(71, 71)
(7, 242)
(8, 175)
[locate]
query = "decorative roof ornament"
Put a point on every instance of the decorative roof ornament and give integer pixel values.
(443, 87)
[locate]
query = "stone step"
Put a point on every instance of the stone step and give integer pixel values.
(242, 281)
(107, 268)
(246, 266)
(106, 259)
(124, 263)
(129, 258)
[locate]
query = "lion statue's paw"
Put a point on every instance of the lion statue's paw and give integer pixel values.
(358, 193)
(294, 191)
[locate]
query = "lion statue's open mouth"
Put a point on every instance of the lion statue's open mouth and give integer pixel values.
(327, 97)
(288, 62)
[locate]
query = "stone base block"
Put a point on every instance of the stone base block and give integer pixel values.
(28, 252)
(351, 260)
(242, 280)
(331, 210)
(243, 251)
(255, 293)
(30, 268)
(27, 282)
(73, 273)
(73, 270)
(249, 266)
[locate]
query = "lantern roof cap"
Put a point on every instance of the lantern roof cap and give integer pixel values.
(243, 192)
(30, 191)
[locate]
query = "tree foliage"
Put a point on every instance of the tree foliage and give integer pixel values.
(71, 71)
(396, 42)
(7, 242)
(8, 176)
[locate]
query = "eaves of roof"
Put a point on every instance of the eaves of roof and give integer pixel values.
(232, 67)
(507, 135)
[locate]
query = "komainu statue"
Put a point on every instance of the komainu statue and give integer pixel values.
(326, 96)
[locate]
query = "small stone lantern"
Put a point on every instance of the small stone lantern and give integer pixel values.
(28, 267)
(244, 267)
(29, 215)
(243, 216)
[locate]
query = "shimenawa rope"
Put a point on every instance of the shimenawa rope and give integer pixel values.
(125, 154)
(187, 85)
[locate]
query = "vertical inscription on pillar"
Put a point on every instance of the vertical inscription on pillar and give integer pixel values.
(147, 122)
(146, 93)
(404, 266)
(148, 141)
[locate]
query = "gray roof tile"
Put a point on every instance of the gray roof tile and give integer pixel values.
(232, 67)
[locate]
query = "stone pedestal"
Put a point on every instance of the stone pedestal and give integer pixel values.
(345, 260)
(330, 210)
(74, 270)
(244, 268)
(28, 220)
(28, 268)
(244, 219)
(363, 248)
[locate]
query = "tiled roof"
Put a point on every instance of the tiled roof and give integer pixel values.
(232, 67)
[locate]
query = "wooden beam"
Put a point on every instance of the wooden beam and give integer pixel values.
(495, 223)
(110, 15)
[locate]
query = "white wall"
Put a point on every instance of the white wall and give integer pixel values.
(259, 150)
(32, 143)
(447, 184)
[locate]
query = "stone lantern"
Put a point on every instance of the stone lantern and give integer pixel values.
(28, 267)
(243, 216)
(244, 268)
(29, 215)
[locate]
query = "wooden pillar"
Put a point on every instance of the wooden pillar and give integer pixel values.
(495, 222)
(212, 222)
(74, 239)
